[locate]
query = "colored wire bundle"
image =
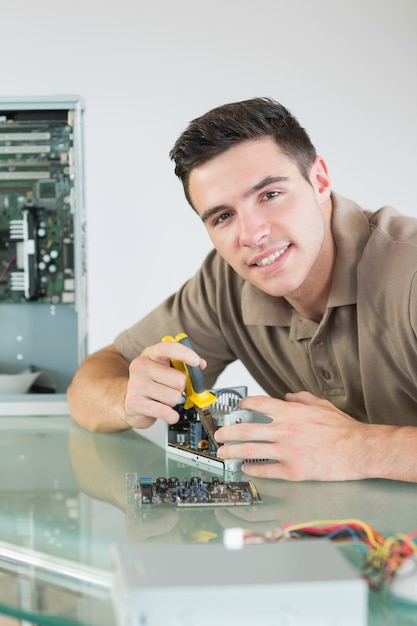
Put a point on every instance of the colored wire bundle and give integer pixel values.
(382, 556)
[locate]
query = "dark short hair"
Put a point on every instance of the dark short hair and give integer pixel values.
(228, 125)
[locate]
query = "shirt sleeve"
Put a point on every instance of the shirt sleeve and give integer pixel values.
(203, 308)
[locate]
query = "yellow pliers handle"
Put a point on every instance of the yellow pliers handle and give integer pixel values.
(195, 388)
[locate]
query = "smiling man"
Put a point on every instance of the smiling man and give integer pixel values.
(272, 225)
(302, 287)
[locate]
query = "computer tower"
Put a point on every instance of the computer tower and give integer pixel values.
(43, 300)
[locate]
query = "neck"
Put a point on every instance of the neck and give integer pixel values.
(312, 303)
(313, 312)
(311, 299)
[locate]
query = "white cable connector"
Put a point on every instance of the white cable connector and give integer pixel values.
(233, 538)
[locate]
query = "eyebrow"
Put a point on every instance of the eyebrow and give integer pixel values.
(262, 183)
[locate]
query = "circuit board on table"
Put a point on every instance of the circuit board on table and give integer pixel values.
(193, 491)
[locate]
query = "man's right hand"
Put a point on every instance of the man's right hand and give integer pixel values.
(107, 394)
(154, 387)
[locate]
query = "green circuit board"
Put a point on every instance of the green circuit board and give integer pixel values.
(190, 492)
(36, 207)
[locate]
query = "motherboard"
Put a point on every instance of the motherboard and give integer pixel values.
(36, 206)
(188, 439)
(43, 304)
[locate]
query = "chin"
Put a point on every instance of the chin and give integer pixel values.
(276, 290)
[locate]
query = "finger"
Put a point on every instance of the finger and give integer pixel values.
(262, 404)
(285, 470)
(148, 399)
(143, 370)
(250, 451)
(154, 387)
(266, 470)
(164, 351)
(149, 377)
(147, 411)
(246, 431)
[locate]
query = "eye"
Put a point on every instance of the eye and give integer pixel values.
(221, 218)
(271, 194)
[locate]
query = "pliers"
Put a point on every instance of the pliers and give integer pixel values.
(197, 395)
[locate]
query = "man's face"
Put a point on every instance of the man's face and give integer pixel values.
(265, 219)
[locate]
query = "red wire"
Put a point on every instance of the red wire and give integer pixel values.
(7, 267)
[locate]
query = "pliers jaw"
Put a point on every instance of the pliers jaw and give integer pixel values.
(197, 395)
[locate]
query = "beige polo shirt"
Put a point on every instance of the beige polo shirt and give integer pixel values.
(362, 356)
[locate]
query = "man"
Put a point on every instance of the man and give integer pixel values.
(314, 295)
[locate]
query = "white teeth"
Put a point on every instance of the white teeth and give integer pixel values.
(271, 258)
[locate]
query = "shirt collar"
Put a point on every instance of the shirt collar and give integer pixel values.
(350, 227)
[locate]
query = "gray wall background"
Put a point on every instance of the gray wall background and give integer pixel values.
(346, 68)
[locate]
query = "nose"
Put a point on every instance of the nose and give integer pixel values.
(253, 228)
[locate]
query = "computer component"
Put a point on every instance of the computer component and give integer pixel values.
(189, 492)
(302, 583)
(188, 439)
(42, 251)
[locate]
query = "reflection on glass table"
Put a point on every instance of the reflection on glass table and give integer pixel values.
(384, 505)
(63, 496)
(43, 568)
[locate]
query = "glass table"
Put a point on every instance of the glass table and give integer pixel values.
(64, 507)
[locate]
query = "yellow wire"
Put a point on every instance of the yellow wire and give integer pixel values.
(382, 550)
(368, 530)
(405, 538)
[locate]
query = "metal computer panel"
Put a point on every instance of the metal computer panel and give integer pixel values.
(43, 312)
(302, 583)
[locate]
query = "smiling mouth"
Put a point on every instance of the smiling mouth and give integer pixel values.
(271, 258)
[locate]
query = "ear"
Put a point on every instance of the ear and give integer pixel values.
(320, 180)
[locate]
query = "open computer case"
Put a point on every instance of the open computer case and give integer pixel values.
(43, 304)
